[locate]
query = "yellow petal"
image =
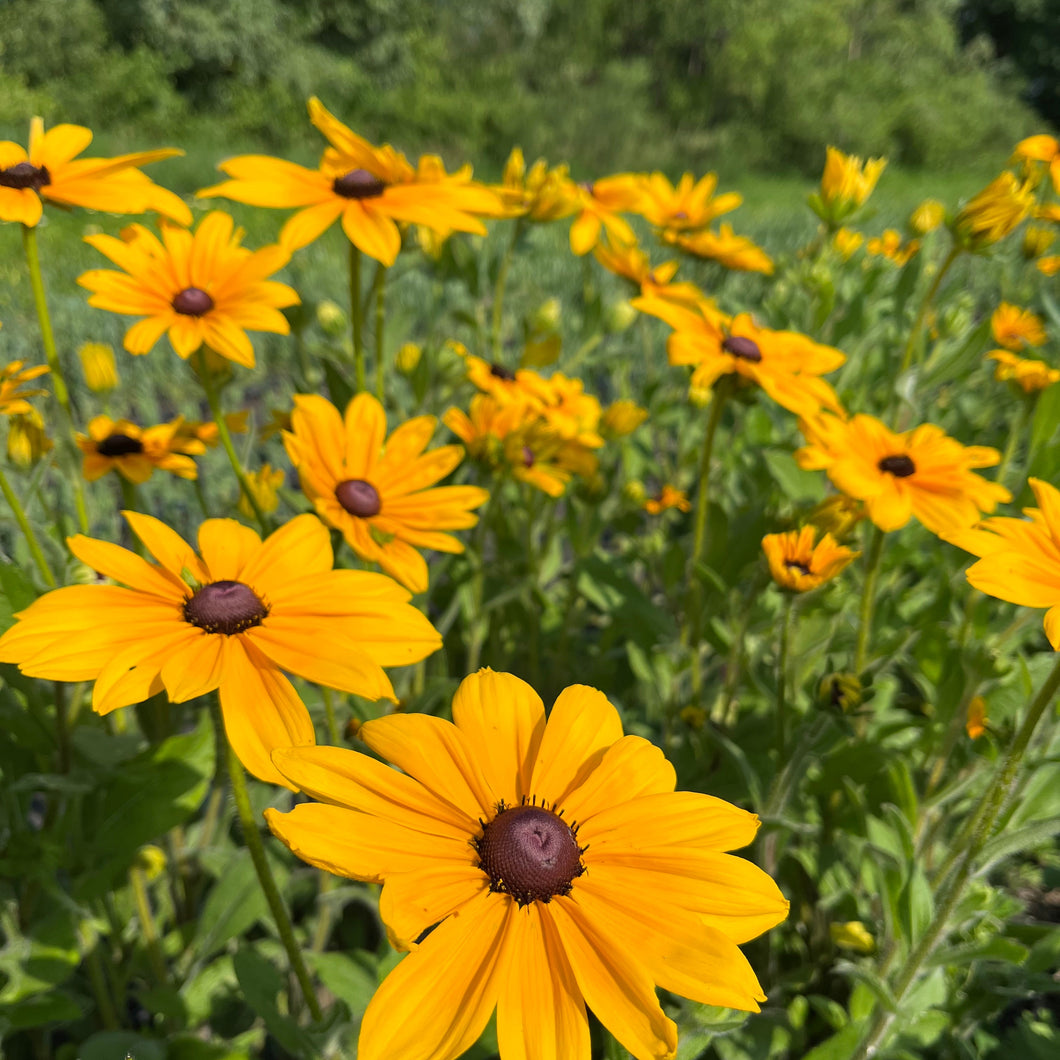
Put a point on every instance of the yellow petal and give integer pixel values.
(226, 547)
(126, 567)
(166, 545)
(413, 901)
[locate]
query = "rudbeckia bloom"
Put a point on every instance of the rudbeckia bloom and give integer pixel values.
(201, 287)
(992, 214)
(1019, 559)
(555, 863)
(135, 452)
(1030, 375)
(380, 492)
(370, 188)
(922, 472)
(688, 205)
(798, 562)
(50, 172)
(1041, 148)
(235, 617)
(725, 247)
(1015, 328)
(13, 379)
(602, 201)
(668, 497)
(890, 246)
(540, 194)
(845, 185)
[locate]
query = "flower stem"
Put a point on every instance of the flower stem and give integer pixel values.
(868, 598)
(497, 321)
(782, 676)
(147, 925)
(51, 354)
(214, 400)
(925, 305)
(268, 884)
(379, 289)
(357, 318)
(1015, 434)
(329, 712)
(27, 531)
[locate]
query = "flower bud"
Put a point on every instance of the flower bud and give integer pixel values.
(331, 318)
(151, 861)
(546, 316)
(97, 363)
(27, 440)
(408, 356)
(619, 316)
(839, 691)
(852, 935)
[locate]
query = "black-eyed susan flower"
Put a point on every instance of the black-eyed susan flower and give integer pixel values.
(993, 213)
(1014, 328)
(98, 367)
(846, 184)
(1041, 148)
(202, 287)
(538, 194)
(686, 206)
(555, 863)
(135, 452)
(921, 473)
(891, 246)
(380, 492)
(236, 617)
(602, 203)
(668, 497)
(50, 172)
(725, 247)
(1030, 375)
(13, 393)
(797, 561)
(371, 189)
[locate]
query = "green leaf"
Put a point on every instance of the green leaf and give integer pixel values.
(115, 1045)
(840, 1046)
(995, 949)
(234, 903)
(346, 977)
(796, 484)
(16, 593)
(539, 353)
(54, 1007)
(1033, 835)
(262, 984)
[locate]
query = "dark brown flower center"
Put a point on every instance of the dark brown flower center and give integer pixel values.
(24, 175)
(530, 853)
(742, 347)
(358, 497)
(358, 184)
(193, 302)
(797, 564)
(528, 456)
(498, 371)
(225, 607)
(118, 444)
(900, 466)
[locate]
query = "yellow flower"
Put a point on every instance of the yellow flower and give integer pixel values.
(890, 246)
(846, 242)
(408, 356)
(687, 206)
(1041, 148)
(921, 472)
(837, 515)
(555, 863)
(380, 492)
(667, 498)
(194, 432)
(236, 619)
(264, 484)
(845, 185)
(371, 189)
(13, 378)
(852, 935)
(725, 247)
(1036, 241)
(97, 364)
(50, 172)
(797, 563)
(201, 287)
(1030, 375)
(1049, 266)
(992, 214)
(27, 440)
(1015, 328)
(135, 452)
(631, 263)
(927, 217)
(601, 202)
(975, 725)
(622, 417)
(540, 194)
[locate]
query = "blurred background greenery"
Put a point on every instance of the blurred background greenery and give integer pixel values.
(736, 85)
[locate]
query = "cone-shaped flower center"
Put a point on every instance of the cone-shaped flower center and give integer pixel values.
(193, 302)
(24, 175)
(358, 184)
(358, 497)
(118, 444)
(901, 465)
(528, 456)
(225, 607)
(530, 853)
(498, 371)
(742, 347)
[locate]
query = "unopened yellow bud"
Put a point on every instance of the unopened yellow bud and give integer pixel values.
(546, 316)
(975, 725)
(263, 485)
(408, 356)
(619, 316)
(927, 217)
(839, 691)
(27, 440)
(97, 363)
(332, 318)
(1036, 241)
(634, 492)
(852, 935)
(151, 861)
(694, 717)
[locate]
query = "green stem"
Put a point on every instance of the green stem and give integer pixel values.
(497, 321)
(62, 727)
(357, 318)
(94, 965)
(782, 676)
(329, 712)
(131, 502)
(214, 400)
(27, 531)
(993, 805)
(147, 925)
(868, 598)
(1015, 435)
(925, 306)
(477, 626)
(379, 289)
(268, 884)
(51, 354)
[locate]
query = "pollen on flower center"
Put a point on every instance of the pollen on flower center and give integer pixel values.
(25, 175)
(358, 184)
(744, 348)
(225, 607)
(358, 497)
(901, 465)
(530, 853)
(192, 302)
(118, 444)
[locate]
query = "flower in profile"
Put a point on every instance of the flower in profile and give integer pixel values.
(798, 562)
(725, 247)
(520, 851)
(846, 242)
(135, 452)
(264, 485)
(380, 492)
(667, 498)
(27, 438)
(992, 214)
(927, 217)
(1049, 266)
(846, 184)
(686, 206)
(13, 394)
(1030, 375)
(98, 367)
(1037, 239)
(50, 172)
(976, 721)
(371, 189)
(235, 617)
(890, 246)
(1015, 328)
(1041, 148)
(540, 193)
(201, 288)
(921, 473)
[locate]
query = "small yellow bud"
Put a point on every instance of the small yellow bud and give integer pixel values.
(619, 316)
(97, 363)
(546, 316)
(634, 492)
(852, 935)
(408, 356)
(927, 217)
(976, 723)
(1036, 241)
(263, 484)
(839, 691)
(27, 440)
(331, 317)
(700, 396)
(151, 861)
